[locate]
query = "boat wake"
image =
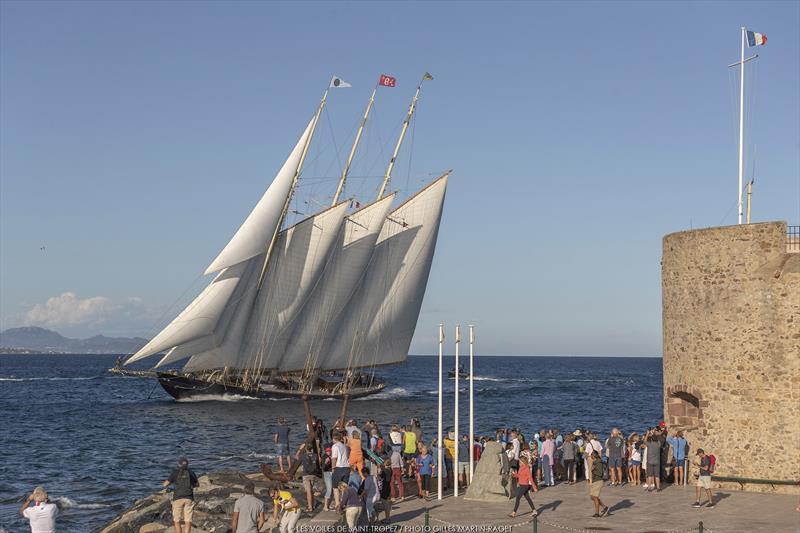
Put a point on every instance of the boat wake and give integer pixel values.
(215, 398)
(63, 502)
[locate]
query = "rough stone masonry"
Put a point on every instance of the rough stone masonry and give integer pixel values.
(731, 325)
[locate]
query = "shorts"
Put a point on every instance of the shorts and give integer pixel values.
(595, 488)
(340, 474)
(282, 448)
(182, 508)
(636, 463)
(615, 462)
(463, 467)
(308, 481)
(653, 470)
(409, 456)
(704, 482)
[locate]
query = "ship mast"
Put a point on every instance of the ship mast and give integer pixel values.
(346, 170)
(410, 113)
(286, 204)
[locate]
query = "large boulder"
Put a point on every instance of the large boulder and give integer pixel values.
(490, 482)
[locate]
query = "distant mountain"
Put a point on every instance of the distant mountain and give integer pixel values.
(40, 340)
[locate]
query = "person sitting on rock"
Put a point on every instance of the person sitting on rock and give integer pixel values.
(248, 512)
(183, 481)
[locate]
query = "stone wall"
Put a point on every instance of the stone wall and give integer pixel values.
(731, 325)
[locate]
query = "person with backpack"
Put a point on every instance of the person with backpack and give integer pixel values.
(706, 466)
(183, 482)
(312, 471)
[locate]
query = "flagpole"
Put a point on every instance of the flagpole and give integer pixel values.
(353, 149)
(741, 126)
(440, 441)
(471, 403)
(410, 113)
(455, 445)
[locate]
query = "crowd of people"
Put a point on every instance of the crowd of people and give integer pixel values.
(364, 471)
(365, 468)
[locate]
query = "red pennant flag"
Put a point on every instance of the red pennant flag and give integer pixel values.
(387, 81)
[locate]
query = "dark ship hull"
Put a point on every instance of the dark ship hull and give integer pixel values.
(183, 386)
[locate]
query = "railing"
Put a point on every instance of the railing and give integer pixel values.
(793, 239)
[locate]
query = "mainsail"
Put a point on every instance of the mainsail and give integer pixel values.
(314, 330)
(381, 316)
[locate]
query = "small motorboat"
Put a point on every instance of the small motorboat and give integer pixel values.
(461, 372)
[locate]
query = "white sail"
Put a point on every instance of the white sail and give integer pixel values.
(313, 330)
(199, 318)
(382, 314)
(256, 232)
(230, 327)
(298, 259)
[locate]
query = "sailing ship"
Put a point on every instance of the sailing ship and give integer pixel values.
(312, 309)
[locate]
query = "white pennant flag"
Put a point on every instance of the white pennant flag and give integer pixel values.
(336, 81)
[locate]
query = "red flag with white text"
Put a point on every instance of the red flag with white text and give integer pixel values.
(387, 81)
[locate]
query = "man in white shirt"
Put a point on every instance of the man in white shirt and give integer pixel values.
(42, 515)
(595, 445)
(516, 445)
(341, 465)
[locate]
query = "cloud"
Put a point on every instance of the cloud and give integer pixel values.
(68, 310)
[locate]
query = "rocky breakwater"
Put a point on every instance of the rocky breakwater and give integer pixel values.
(214, 500)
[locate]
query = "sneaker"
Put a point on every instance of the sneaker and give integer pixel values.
(710, 505)
(595, 515)
(604, 512)
(696, 505)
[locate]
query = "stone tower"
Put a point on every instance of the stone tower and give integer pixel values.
(731, 323)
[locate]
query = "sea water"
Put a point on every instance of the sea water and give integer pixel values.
(97, 441)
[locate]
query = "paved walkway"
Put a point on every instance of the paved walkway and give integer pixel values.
(568, 508)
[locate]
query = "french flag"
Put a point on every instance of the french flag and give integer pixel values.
(755, 39)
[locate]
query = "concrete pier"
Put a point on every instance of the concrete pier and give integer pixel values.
(568, 508)
(562, 508)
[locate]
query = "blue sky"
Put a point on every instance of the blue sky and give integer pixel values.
(135, 138)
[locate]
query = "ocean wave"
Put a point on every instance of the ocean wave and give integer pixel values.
(246, 457)
(215, 398)
(64, 502)
(390, 393)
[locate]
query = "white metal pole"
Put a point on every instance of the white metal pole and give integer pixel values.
(440, 441)
(741, 126)
(471, 403)
(455, 429)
